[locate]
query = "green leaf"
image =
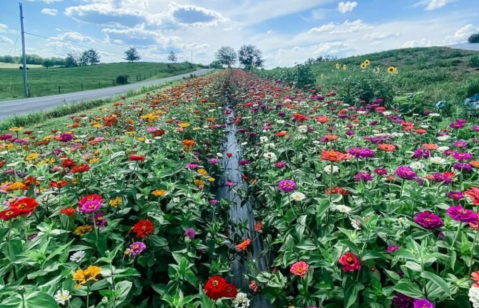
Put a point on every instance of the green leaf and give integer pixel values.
(351, 294)
(122, 289)
(438, 281)
(408, 288)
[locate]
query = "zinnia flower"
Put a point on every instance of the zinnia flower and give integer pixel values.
(143, 228)
(287, 185)
(458, 213)
(472, 195)
(300, 269)
(428, 220)
(136, 248)
(243, 245)
(350, 262)
(62, 296)
(190, 232)
(423, 303)
(404, 172)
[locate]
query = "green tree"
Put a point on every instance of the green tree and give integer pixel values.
(132, 55)
(474, 38)
(226, 56)
(250, 57)
(71, 60)
(47, 63)
(172, 57)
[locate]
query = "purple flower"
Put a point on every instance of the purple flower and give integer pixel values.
(350, 132)
(65, 137)
(421, 153)
(214, 161)
(279, 164)
(462, 156)
(441, 178)
(463, 167)
(474, 127)
(380, 171)
(405, 173)
(136, 248)
(428, 220)
(458, 213)
(191, 166)
(392, 248)
(100, 221)
(423, 303)
(287, 185)
(363, 176)
(243, 162)
(455, 195)
(213, 202)
(361, 152)
(403, 301)
(90, 206)
(460, 144)
(456, 125)
(190, 232)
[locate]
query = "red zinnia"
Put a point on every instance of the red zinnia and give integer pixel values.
(24, 206)
(137, 158)
(69, 211)
(9, 214)
(299, 117)
(143, 228)
(58, 184)
(243, 245)
(473, 195)
(333, 156)
(337, 191)
(68, 163)
(230, 291)
(92, 197)
(350, 262)
(81, 168)
(215, 287)
(281, 134)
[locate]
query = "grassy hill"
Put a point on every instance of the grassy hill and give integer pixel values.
(438, 73)
(51, 81)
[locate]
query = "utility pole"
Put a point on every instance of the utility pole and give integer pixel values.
(24, 60)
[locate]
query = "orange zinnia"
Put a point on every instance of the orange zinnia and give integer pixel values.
(243, 245)
(387, 147)
(430, 146)
(322, 119)
(188, 144)
(330, 137)
(333, 156)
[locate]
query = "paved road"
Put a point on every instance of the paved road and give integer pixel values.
(35, 104)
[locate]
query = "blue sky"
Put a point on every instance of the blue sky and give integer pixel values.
(287, 31)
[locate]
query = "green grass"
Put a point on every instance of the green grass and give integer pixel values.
(440, 73)
(51, 81)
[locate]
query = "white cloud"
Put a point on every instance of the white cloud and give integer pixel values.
(463, 34)
(345, 7)
(106, 14)
(374, 36)
(431, 5)
(3, 28)
(52, 12)
(138, 36)
(72, 37)
(417, 43)
(5, 40)
(332, 48)
(45, 1)
(346, 27)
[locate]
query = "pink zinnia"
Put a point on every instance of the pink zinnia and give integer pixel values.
(300, 269)
(90, 207)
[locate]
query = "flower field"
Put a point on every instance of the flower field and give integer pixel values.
(349, 206)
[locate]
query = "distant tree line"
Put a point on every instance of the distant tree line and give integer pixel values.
(32, 59)
(249, 57)
(473, 39)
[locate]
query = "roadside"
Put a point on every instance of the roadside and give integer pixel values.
(36, 104)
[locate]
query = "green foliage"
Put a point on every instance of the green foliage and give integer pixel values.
(474, 38)
(122, 79)
(473, 61)
(43, 82)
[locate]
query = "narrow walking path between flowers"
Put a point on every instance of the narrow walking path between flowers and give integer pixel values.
(240, 211)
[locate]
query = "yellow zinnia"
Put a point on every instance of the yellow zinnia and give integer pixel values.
(84, 276)
(338, 66)
(159, 192)
(115, 202)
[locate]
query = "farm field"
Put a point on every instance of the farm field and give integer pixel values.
(57, 80)
(160, 200)
(434, 74)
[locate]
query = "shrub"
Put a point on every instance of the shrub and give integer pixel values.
(122, 79)
(474, 38)
(473, 61)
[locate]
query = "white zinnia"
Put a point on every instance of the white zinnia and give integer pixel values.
(241, 300)
(78, 256)
(474, 296)
(342, 208)
(417, 165)
(437, 160)
(298, 196)
(263, 139)
(328, 170)
(442, 149)
(219, 155)
(270, 156)
(302, 129)
(62, 296)
(356, 224)
(443, 138)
